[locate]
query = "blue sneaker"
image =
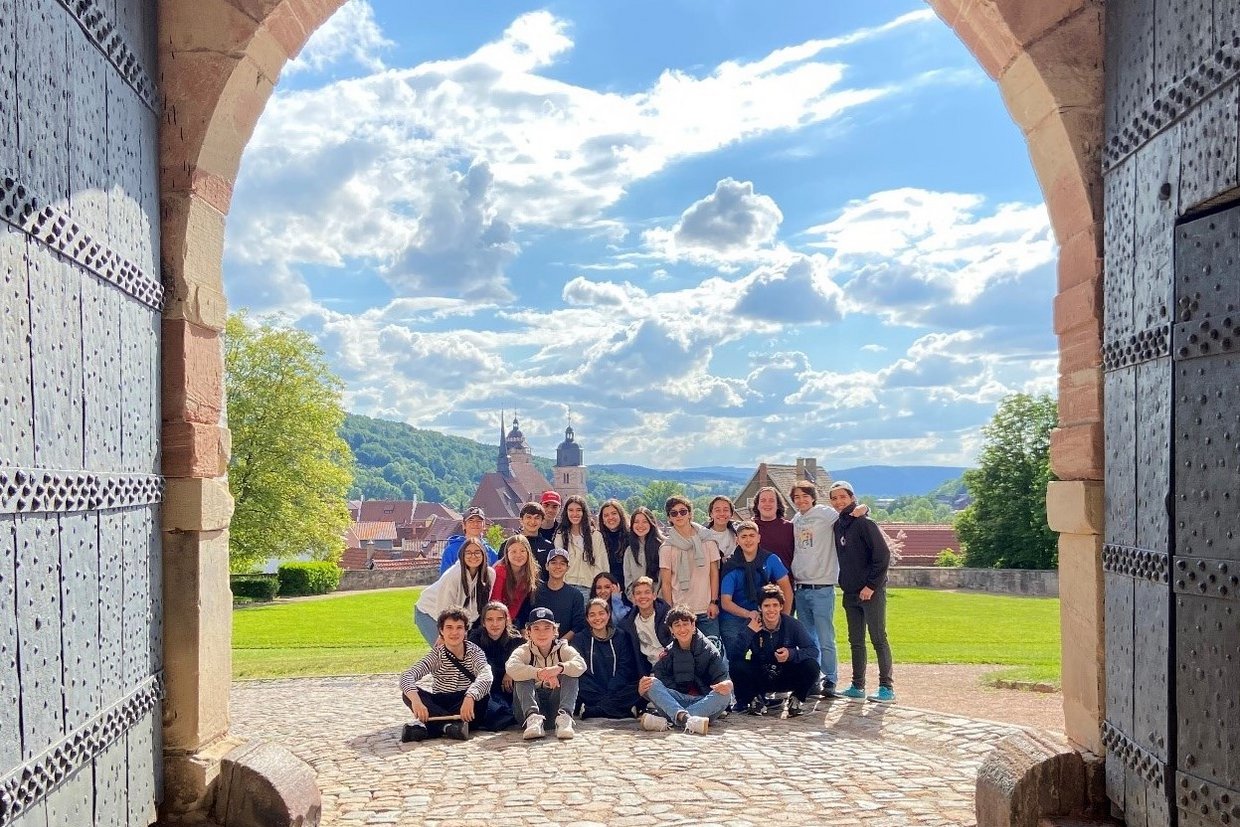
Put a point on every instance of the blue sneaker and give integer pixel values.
(853, 693)
(884, 695)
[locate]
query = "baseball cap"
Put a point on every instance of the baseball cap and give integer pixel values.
(540, 614)
(557, 552)
(474, 512)
(845, 484)
(549, 497)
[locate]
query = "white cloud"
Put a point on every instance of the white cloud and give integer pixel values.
(732, 223)
(799, 291)
(349, 34)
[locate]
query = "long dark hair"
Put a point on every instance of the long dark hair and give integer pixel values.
(653, 540)
(482, 586)
(618, 538)
(779, 503)
(587, 527)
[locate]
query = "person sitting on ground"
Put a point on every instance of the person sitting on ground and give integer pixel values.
(864, 559)
(646, 625)
(741, 581)
(608, 689)
(545, 672)
(461, 682)
(782, 657)
(607, 587)
(517, 578)
(690, 684)
(467, 584)
(473, 524)
(497, 638)
(563, 600)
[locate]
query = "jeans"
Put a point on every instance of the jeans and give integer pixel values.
(754, 679)
(868, 614)
(427, 625)
(816, 609)
(736, 636)
(671, 703)
(530, 698)
(708, 626)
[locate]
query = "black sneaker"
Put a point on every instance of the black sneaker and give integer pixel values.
(757, 707)
(458, 730)
(794, 707)
(414, 732)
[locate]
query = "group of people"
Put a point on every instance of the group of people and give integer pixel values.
(623, 620)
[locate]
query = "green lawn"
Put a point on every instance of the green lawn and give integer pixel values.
(372, 632)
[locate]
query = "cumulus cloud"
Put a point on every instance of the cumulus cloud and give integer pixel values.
(732, 221)
(349, 35)
(796, 292)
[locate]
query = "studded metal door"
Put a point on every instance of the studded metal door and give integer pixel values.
(80, 298)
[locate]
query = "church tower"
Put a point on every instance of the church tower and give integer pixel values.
(569, 475)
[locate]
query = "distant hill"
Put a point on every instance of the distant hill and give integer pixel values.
(898, 480)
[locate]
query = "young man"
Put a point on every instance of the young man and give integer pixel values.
(561, 599)
(461, 683)
(782, 657)
(690, 684)
(689, 566)
(864, 558)
(544, 672)
(816, 571)
(532, 515)
(776, 532)
(647, 625)
(472, 524)
(742, 579)
(551, 512)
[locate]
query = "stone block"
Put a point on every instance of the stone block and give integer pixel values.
(197, 639)
(1082, 625)
(1065, 155)
(1080, 397)
(192, 254)
(194, 450)
(1028, 22)
(983, 32)
(1030, 775)
(1076, 451)
(1078, 306)
(1080, 348)
(264, 785)
(1080, 258)
(190, 781)
(195, 504)
(193, 373)
(1075, 506)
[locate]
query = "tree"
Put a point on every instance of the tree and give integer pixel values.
(290, 470)
(1006, 527)
(494, 535)
(655, 494)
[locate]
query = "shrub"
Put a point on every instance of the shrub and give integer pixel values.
(255, 586)
(949, 559)
(308, 578)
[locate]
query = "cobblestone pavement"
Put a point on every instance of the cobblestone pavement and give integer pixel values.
(843, 764)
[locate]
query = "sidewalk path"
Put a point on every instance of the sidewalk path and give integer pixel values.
(843, 764)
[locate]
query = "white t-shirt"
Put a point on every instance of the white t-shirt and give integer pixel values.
(647, 636)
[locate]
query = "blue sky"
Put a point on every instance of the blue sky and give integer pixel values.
(711, 233)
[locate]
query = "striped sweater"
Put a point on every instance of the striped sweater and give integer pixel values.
(447, 677)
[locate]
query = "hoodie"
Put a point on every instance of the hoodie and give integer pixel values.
(526, 659)
(692, 671)
(628, 624)
(609, 662)
(497, 653)
(863, 554)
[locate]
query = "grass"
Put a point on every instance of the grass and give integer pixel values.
(372, 632)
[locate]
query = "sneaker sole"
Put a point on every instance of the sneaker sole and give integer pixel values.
(881, 701)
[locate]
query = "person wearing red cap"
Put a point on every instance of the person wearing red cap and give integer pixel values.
(551, 507)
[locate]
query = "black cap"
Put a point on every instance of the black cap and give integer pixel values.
(540, 613)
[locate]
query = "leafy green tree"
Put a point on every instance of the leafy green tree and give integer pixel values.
(290, 472)
(1006, 527)
(654, 495)
(494, 535)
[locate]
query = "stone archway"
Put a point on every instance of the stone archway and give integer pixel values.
(219, 61)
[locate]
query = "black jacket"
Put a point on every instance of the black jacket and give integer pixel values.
(694, 670)
(609, 663)
(629, 625)
(497, 652)
(790, 634)
(863, 554)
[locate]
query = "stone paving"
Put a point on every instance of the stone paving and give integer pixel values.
(843, 764)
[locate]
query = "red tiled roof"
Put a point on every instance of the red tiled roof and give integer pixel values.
(373, 531)
(919, 544)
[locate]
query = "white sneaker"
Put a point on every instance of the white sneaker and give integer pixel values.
(534, 727)
(563, 725)
(697, 725)
(654, 723)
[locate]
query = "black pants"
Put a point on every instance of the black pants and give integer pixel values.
(446, 703)
(500, 715)
(751, 679)
(869, 615)
(597, 702)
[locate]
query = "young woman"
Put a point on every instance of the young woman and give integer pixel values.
(516, 578)
(587, 555)
(467, 584)
(608, 689)
(497, 638)
(722, 525)
(613, 525)
(642, 558)
(606, 587)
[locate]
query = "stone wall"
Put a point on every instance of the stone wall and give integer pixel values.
(995, 581)
(352, 580)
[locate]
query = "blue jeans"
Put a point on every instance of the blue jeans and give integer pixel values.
(427, 625)
(816, 609)
(671, 703)
(708, 626)
(530, 698)
(736, 636)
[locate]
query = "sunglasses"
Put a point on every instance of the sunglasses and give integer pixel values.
(678, 512)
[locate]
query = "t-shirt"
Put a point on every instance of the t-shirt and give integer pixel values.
(698, 596)
(726, 541)
(815, 561)
(733, 583)
(647, 636)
